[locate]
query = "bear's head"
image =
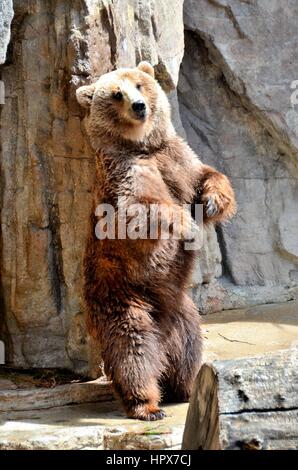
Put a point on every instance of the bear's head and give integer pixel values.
(126, 105)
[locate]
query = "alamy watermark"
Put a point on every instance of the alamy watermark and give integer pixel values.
(155, 221)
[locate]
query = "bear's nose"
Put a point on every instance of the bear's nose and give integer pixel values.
(139, 106)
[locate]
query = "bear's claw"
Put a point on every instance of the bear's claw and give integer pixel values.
(154, 416)
(211, 207)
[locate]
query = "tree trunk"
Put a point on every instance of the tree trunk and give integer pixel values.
(249, 403)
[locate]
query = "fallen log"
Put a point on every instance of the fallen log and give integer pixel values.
(248, 403)
(60, 395)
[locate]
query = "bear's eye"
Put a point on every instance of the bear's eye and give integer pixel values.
(118, 96)
(139, 86)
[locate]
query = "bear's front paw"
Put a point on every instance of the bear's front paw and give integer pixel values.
(218, 200)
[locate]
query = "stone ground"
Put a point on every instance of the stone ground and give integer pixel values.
(34, 418)
(248, 332)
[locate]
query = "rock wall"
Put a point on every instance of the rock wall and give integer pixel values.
(234, 103)
(6, 15)
(47, 167)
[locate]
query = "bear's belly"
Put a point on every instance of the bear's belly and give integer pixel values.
(140, 262)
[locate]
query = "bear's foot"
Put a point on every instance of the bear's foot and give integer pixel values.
(147, 413)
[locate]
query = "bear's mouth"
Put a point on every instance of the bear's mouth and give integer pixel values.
(141, 117)
(138, 117)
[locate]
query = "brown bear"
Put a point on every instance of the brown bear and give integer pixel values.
(136, 289)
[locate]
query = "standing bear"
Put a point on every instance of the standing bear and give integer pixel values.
(136, 288)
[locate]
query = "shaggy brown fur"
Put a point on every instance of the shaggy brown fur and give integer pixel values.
(136, 290)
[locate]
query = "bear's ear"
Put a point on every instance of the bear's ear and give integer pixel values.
(84, 95)
(146, 67)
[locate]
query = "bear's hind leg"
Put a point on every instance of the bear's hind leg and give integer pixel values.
(184, 352)
(133, 361)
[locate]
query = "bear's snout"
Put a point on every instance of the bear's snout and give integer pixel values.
(139, 107)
